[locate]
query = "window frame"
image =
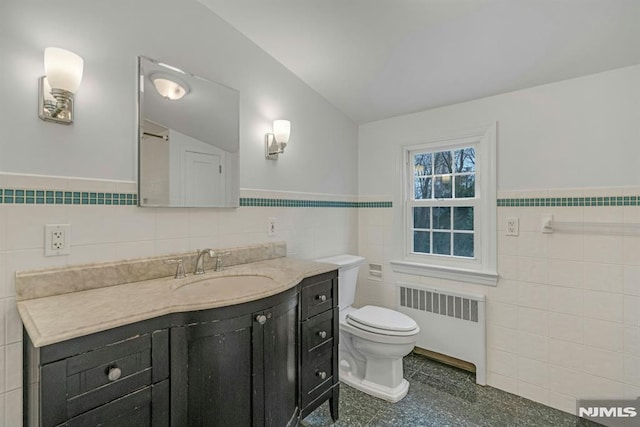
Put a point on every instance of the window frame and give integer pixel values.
(481, 269)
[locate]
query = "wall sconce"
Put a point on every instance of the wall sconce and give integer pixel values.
(63, 74)
(169, 87)
(274, 143)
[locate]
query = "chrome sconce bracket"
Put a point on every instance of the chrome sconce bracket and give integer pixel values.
(59, 110)
(272, 148)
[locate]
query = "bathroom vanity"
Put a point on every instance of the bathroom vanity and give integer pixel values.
(264, 355)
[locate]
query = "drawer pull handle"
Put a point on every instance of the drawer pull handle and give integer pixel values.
(261, 318)
(321, 298)
(322, 334)
(114, 373)
(321, 374)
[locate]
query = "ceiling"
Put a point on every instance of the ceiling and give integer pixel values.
(375, 59)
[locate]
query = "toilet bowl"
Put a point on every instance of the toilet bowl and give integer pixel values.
(373, 340)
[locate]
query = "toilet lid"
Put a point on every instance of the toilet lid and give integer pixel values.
(383, 319)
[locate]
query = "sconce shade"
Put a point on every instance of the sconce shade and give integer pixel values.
(63, 69)
(281, 130)
(169, 88)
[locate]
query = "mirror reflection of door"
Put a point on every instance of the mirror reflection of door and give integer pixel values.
(154, 164)
(203, 174)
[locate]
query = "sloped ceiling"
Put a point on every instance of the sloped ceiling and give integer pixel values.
(375, 59)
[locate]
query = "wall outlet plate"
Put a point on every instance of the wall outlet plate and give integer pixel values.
(57, 239)
(513, 226)
(271, 226)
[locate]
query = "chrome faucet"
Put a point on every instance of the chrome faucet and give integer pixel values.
(200, 260)
(220, 261)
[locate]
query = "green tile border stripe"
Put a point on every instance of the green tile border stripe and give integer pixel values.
(13, 196)
(18, 196)
(293, 203)
(571, 201)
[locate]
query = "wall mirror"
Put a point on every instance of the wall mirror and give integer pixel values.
(188, 139)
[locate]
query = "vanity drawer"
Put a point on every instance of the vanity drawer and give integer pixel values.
(318, 297)
(88, 380)
(318, 334)
(317, 378)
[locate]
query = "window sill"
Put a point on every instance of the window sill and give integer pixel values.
(458, 274)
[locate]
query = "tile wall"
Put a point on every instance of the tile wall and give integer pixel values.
(564, 321)
(107, 232)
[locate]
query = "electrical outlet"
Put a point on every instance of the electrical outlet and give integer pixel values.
(57, 239)
(271, 226)
(513, 226)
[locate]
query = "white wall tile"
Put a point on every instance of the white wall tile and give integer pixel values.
(128, 250)
(172, 246)
(632, 370)
(533, 346)
(632, 310)
(603, 334)
(507, 267)
(533, 244)
(566, 354)
(603, 213)
(631, 249)
(503, 363)
(13, 324)
(92, 225)
(502, 314)
(533, 392)
(582, 385)
(93, 253)
(504, 339)
(632, 340)
(603, 305)
(13, 366)
(566, 273)
(533, 269)
(204, 222)
(631, 391)
(3, 222)
(26, 230)
(507, 245)
(2, 371)
(4, 291)
(566, 246)
(505, 291)
(533, 371)
(603, 277)
(533, 321)
(533, 295)
(13, 408)
(603, 363)
(604, 249)
(508, 384)
(631, 280)
(562, 402)
(566, 327)
(566, 300)
(171, 223)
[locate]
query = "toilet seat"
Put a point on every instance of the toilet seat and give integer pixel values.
(383, 321)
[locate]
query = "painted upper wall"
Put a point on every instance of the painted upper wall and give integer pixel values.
(583, 132)
(321, 156)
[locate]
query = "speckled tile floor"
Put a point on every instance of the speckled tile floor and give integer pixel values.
(441, 396)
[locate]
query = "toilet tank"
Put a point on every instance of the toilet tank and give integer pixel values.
(348, 266)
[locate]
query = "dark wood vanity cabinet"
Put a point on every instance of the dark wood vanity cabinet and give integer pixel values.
(319, 334)
(239, 371)
(268, 362)
(119, 378)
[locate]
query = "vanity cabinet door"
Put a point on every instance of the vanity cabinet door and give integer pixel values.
(275, 365)
(211, 373)
(239, 371)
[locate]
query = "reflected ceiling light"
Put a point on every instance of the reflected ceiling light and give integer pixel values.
(276, 142)
(63, 74)
(169, 87)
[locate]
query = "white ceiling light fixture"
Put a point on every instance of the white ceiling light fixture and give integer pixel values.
(169, 87)
(63, 74)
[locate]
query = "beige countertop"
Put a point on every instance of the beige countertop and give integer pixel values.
(52, 319)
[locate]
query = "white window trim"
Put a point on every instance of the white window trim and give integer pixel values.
(481, 270)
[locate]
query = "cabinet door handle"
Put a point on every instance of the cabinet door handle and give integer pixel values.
(321, 374)
(114, 373)
(322, 334)
(261, 318)
(322, 298)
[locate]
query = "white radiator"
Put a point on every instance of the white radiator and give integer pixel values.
(451, 323)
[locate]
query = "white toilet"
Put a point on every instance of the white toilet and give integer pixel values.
(373, 340)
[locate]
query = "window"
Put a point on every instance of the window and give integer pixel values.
(450, 208)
